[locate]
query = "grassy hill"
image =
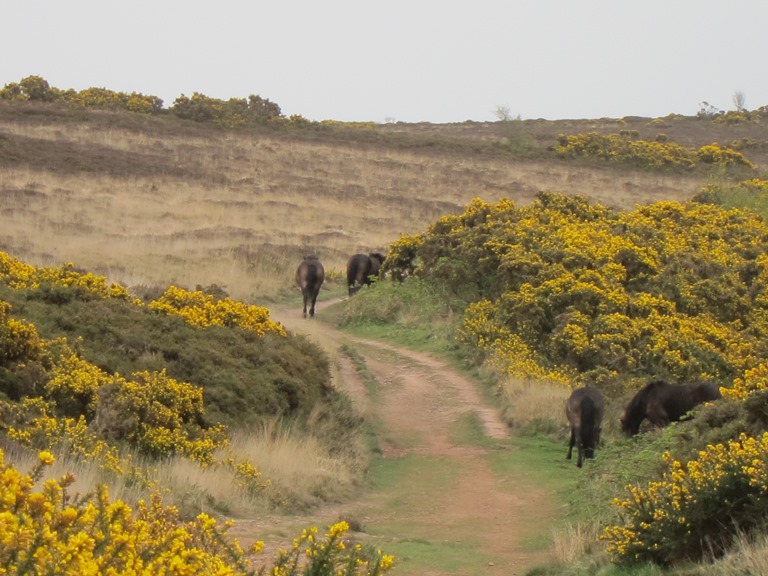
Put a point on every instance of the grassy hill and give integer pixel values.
(154, 200)
(149, 200)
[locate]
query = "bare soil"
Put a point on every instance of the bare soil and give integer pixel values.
(448, 509)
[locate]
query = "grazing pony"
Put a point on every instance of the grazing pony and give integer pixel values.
(663, 403)
(309, 276)
(585, 408)
(361, 268)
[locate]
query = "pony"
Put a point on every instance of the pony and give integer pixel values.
(662, 403)
(309, 277)
(361, 268)
(584, 409)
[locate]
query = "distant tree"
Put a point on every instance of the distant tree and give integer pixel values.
(503, 113)
(706, 110)
(739, 100)
(29, 88)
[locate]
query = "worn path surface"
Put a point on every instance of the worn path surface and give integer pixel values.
(444, 509)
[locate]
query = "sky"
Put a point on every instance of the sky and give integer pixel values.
(437, 61)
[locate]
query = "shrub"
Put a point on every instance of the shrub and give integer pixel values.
(625, 148)
(582, 291)
(696, 509)
(232, 113)
(48, 531)
(204, 310)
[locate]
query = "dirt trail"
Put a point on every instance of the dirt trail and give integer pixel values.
(449, 512)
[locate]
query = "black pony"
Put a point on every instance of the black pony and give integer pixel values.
(663, 403)
(361, 268)
(309, 276)
(584, 409)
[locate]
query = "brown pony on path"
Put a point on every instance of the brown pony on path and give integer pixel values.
(663, 403)
(584, 409)
(309, 276)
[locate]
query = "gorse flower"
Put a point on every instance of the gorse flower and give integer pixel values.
(672, 519)
(200, 309)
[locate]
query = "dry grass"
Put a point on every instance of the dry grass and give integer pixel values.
(535, 405)
(748, 557)
(296, 470)
(576, 541)
(299, 468)
(152, 202)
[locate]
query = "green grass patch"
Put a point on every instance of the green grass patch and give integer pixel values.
(422, 556)
(468, 430)
(372, 386)
(411, 314)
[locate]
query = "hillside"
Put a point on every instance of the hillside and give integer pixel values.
(149, 200)
(551, 290)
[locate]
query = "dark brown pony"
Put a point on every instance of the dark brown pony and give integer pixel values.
(663, 403)
(361, 268)
(309, 276)
(584, 409)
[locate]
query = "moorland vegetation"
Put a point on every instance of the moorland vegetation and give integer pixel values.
(600, 287)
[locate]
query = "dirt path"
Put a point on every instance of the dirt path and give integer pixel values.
(447, 510)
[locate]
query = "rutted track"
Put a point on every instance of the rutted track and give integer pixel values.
(448, 500)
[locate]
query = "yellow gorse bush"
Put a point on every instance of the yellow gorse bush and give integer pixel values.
(696, 508)
(19, 275)
(44, 530)
(32, 423)
(312, 554)
(621, 148)
(19, 341)
(752, 381)
(567, 289)
(200, 309)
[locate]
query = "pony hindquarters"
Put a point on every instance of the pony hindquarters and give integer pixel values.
(584, 408)
(361, 268)
(309, 277)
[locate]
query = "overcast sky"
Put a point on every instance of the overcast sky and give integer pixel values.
(403, 60)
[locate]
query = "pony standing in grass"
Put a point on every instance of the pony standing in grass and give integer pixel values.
(663, 403)
(584, 409)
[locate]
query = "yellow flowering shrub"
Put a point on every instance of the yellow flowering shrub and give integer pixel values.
(568, 287)
(19, 341)
(200, 309)
(159, 416)
(87, 285)
(716, 154)
(401, 257)
(44, 530)
(696, 508)
(312, 554)
(753, 380)
(32, 422)
(629, 150)
(74, 383)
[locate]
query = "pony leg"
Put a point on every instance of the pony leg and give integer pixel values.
(579, 446)
(571, 444)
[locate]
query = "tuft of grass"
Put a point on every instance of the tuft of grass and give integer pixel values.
(535, 407)
(301, 469)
